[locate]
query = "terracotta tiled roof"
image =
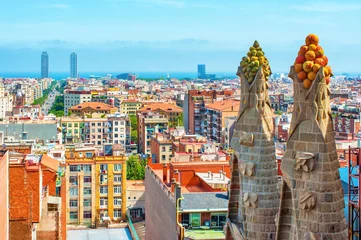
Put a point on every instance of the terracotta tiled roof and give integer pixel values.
(166, 107)
(49, 162)
(224, 105)
(94, 105)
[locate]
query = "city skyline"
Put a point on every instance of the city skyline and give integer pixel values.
(156, 36)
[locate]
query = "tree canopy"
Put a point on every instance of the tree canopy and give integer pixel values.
(135, 168)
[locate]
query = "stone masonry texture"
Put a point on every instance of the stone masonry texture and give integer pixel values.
(312, 203)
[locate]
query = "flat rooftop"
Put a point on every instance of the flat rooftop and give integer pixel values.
(213, 178)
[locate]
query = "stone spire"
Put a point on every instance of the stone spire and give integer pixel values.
(312, 203)
(254, 198)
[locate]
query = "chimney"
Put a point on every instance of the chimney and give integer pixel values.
(172, 183)
(176, 175)
(165, 173)
(220, 173)
(178, 192)
(209, 174)
(224, 175)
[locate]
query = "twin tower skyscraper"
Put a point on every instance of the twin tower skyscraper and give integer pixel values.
(45, 65)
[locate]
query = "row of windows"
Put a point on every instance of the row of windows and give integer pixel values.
(117, 201)
(102, 190)
(88, 179)
(88, 214)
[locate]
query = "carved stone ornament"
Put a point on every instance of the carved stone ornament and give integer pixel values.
(247, 169)
(246, 139)
(307, 201)
(305, 161)
(250, 199)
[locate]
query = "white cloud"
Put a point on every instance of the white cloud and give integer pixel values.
(327, 7)
(57, 6)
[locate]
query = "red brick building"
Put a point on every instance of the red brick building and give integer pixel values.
(4, 195)
(35, 205)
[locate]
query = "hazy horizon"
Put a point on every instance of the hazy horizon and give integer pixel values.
(173, 35)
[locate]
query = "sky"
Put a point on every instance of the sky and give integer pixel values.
(173, 35)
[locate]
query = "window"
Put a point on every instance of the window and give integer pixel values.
(73, 180)
(73, 168)
(70, 124)
(52, 207)
(117, 167)
(117, 201)
(103, 202)
(116, 135)
(87, 168)
(103, 167)
(75, 124)
(117, 213)
(116, 130)
(163, 157)
(56, 155)
(87, 191)
(185, 219)
(196, 220)
(103, 214)
(73, 203)
(117, 189)
(87, 179)
(218, 219)
(88, 155)
(99, 124)
(80, 155)
(87, 203)
(87, 214)
(103, 178)
(73, 215)
(73, 191)
(93, 130)
(103, 189)
(163, 149)
(116, 123)
(117, 178)
(93, 124)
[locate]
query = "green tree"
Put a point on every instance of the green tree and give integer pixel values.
(278, 112)
(58, 106)
(133, 122)
(134, 128)
(135, 168)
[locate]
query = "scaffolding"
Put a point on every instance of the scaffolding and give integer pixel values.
(354, 181)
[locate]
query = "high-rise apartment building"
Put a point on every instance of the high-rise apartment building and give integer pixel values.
(44, 65)
(149, 123)
(73, 65)
(215, 123)
(194, 107)
(97, 186)
(201, 71)
(113, 129)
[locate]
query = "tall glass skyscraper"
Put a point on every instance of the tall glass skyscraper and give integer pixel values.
(201, 71)
(44, 65)
(73, 65)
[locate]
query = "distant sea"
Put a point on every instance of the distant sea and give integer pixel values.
(64, 75)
